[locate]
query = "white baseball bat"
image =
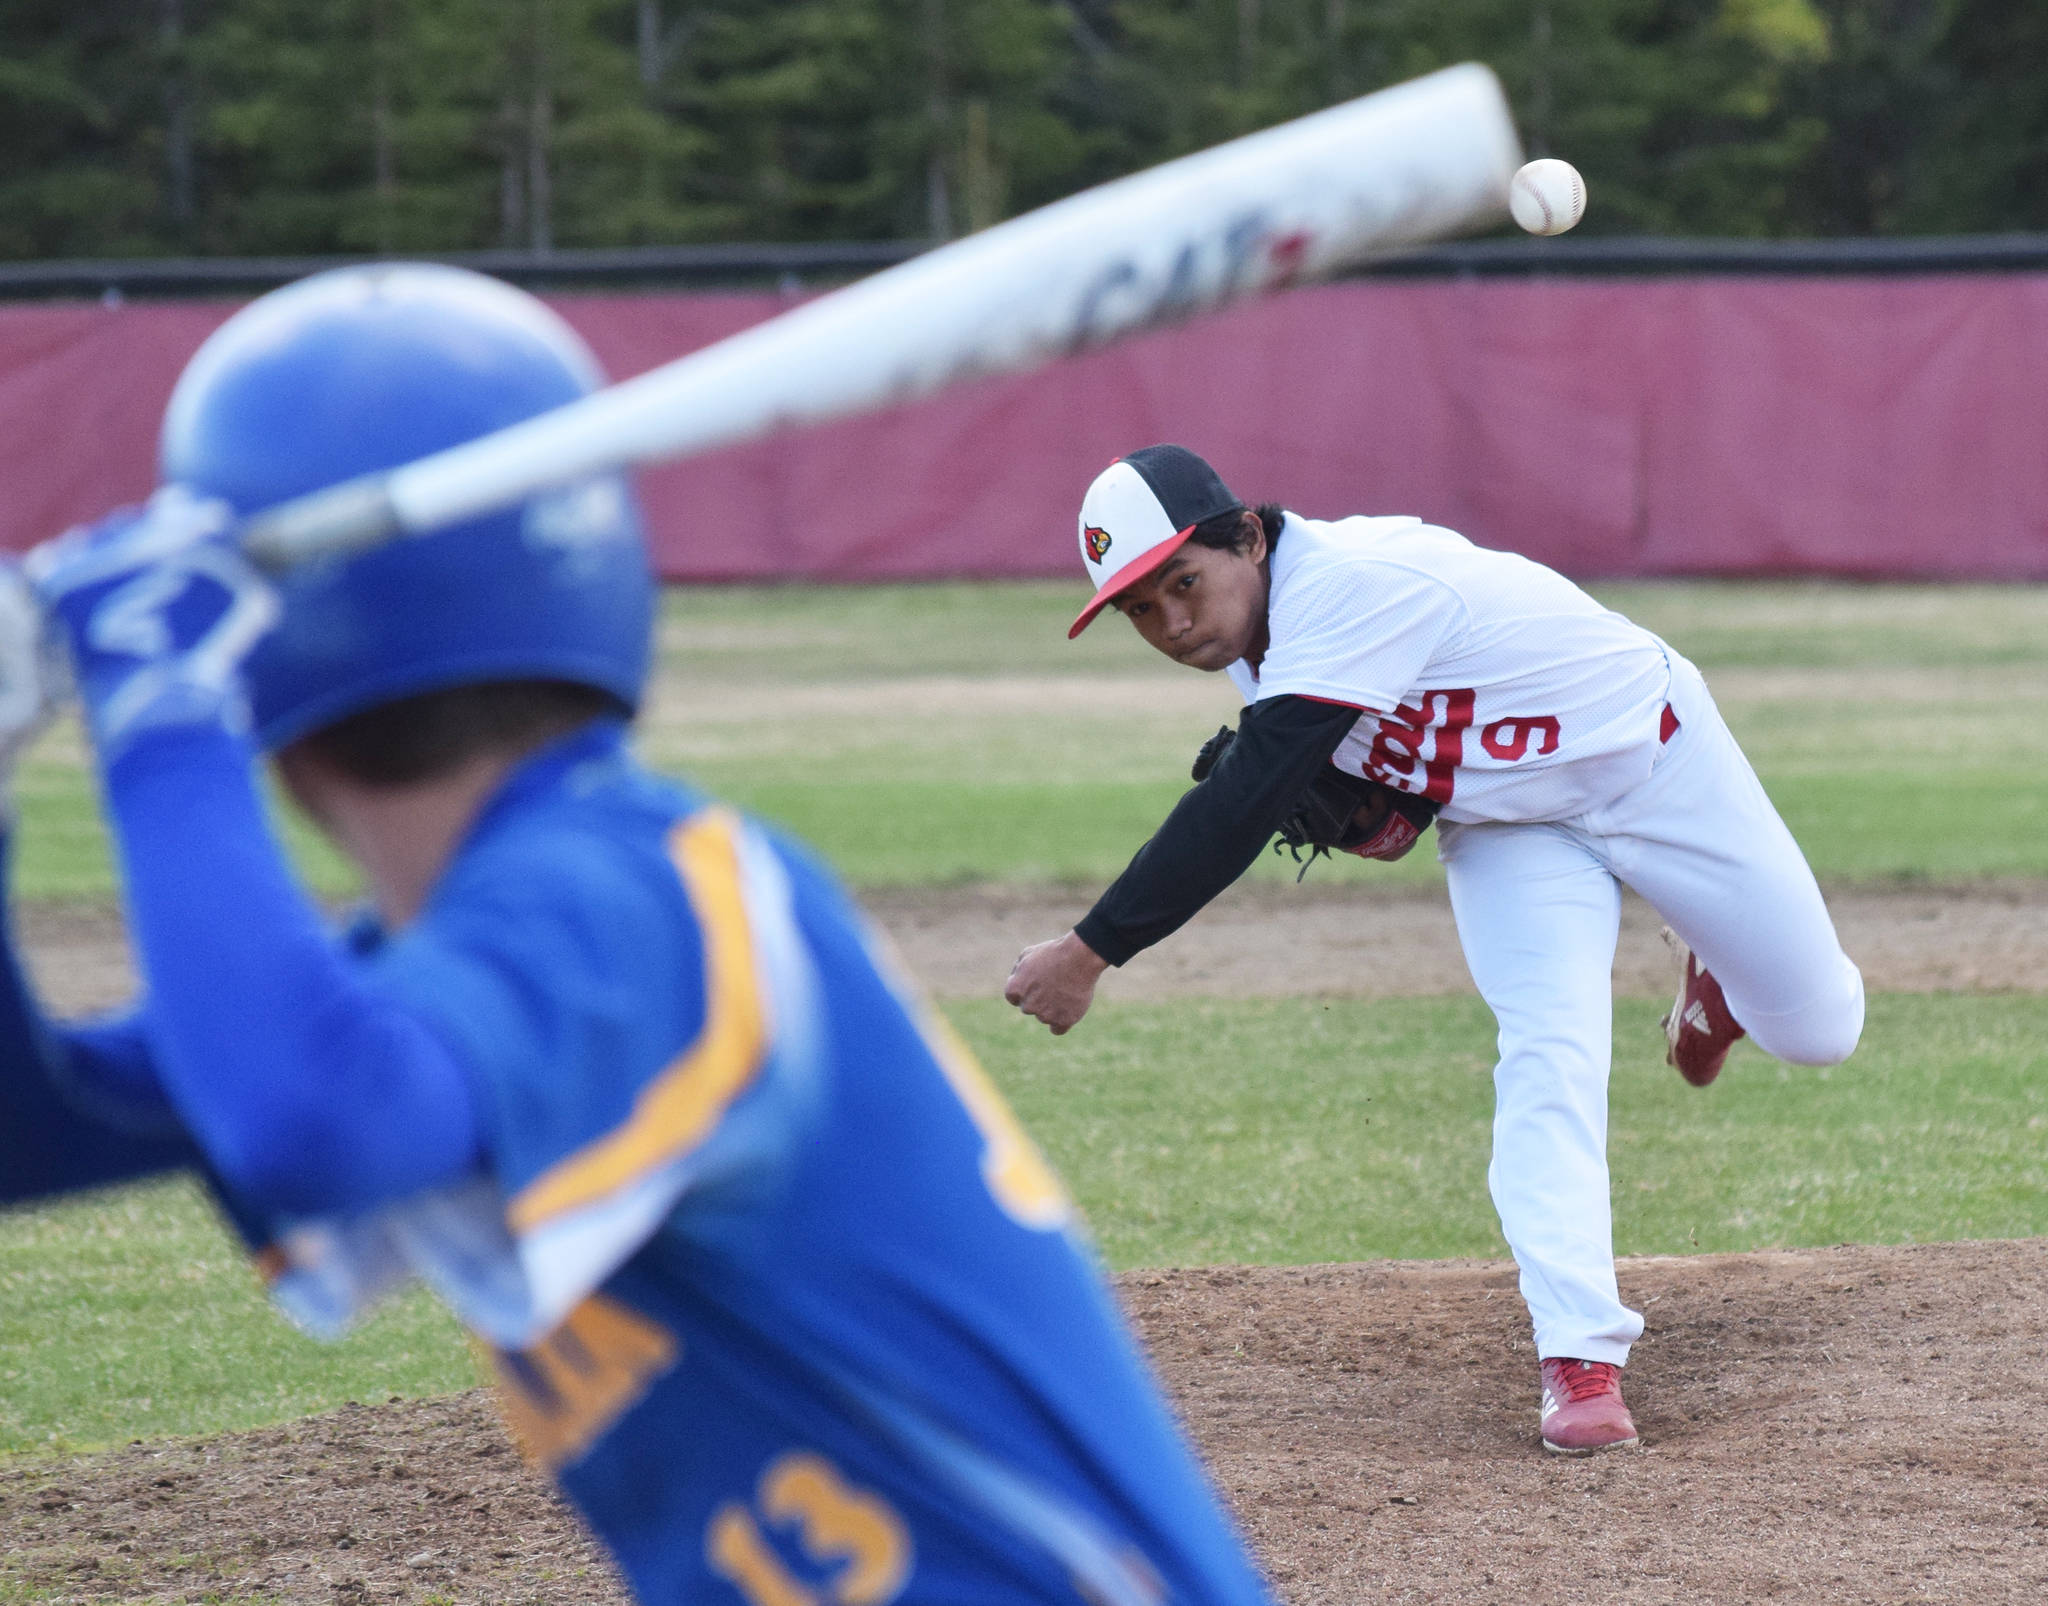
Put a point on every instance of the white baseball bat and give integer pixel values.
(1291, 204)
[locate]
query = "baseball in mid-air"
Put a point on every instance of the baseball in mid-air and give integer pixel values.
(1547, 196)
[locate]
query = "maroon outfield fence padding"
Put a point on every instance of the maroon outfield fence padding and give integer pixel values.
(1834, 426)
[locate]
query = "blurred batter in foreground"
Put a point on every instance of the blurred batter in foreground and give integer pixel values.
(777, 1288)
(1563, 753)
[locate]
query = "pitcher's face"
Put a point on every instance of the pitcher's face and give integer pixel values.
(1204, 607)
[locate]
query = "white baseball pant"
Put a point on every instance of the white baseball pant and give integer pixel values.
(1538, 908)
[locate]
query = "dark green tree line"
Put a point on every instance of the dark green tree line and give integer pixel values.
(250, 126)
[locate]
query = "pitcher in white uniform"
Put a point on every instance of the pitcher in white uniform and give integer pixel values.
(1569, 752)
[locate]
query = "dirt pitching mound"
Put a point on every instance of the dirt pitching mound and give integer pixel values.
(1841, 1425)
(1833, 1425)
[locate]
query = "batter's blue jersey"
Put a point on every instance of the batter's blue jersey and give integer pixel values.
(778, 1288)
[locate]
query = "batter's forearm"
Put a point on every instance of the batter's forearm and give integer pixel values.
(76, 1105)
(52, 1142)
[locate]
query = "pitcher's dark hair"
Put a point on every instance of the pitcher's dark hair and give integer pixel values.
(1226, 531)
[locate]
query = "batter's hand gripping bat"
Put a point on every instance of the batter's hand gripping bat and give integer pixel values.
(1292, 204)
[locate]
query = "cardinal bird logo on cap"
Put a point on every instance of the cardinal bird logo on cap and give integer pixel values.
(1098, 541)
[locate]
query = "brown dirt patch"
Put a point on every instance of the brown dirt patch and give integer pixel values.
(1833, 1425)
(1266, 940)
(411, 1501)
(1262, 940)
(78, 953)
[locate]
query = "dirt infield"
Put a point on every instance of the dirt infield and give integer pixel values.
(1842, 1425)
(1266, 940)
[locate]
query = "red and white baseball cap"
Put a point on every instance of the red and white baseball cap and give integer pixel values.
(1138, 512)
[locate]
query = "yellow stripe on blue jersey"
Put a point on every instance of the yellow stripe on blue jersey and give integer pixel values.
(679, 1107)
(1013, 1167)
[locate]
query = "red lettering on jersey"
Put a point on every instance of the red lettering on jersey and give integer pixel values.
(1432, 735)
(1508, 739)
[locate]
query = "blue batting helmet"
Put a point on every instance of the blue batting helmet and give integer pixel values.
(366, 368)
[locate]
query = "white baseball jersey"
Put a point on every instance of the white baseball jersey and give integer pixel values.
(1486, 682)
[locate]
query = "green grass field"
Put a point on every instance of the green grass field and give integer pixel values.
(131, 1314)
(1302, 1130)
(921, 734)
(1016, 754)
(1193, 1133)
(928, 734)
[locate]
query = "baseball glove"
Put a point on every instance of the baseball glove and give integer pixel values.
(1339, 810)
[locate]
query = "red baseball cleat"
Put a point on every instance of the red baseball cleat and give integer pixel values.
(1698, 1026)
(1583, 1409)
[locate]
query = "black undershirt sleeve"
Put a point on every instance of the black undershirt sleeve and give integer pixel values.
(1219, 826)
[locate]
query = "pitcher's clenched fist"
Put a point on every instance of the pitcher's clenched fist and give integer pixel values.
(1055, 981)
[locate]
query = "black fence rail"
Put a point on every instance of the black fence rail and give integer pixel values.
(799, 266)
(1594, 256)
(655, 266)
